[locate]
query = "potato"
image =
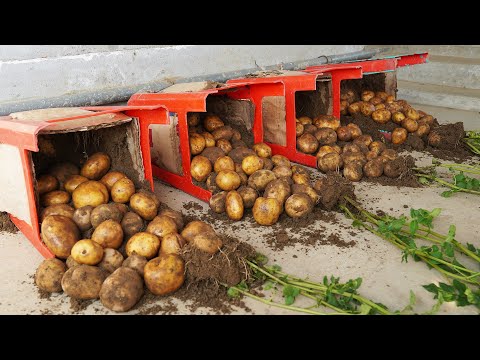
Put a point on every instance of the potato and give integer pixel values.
(304, 120)
(212, 122)
(54, 198)
(193, 119)
(108, 234)
(306, 189)
(249, 195)
(175, 216)
(172, 244)
(225, 145)
(326, 136)
(234, 205)
(423, 129)
(131, 224)
(81, 217)
(434, 139)
(327, 121)
(282, 171)
(267, 164)
(83, 282)
(161, 226)
(279, 160)
(105, 212)
(380, 106)
(59, 233)
(111, 261)
(228, 180)
(354, 108)
(381, 116)
(236, 136)
(388, 154)
(238, 144)
(351, 147)
(49, 275)
(348, 96)
(394, 169)
(344, 107)
(262, 150)
(62, 171)
(260, 179)
(298, 205)
(213, 153)
(243, 178)
(375, 101)
(367, 108)
(390, 99)
(330, 162)
(300, 178)
(278, 189)
(398, 117)
(252, 163)
(427, 119)
(110, 178)
(224, 163)
(87, 252)
(299, 129)
(410, 125)
(209, 140)
(266, 211)
(164, 274)
(298, 169)
(211, 184)
(373, 168)
(349, 157)
(224, 132)
(123, 190)
(151, 195)
(344, 133)
(309, 129)
(399, 136)
(240, 153)
(58, 209)
(371, 154)
(324, 150)
(73, 181)
(46, 184)
(394, 107)
(382, 95)
(365, 140)
(367, 95)
(71, 262)
(412, 114)
(200, 168)
(197, 143)
(217, 202)
(96, 166)
(136, 262)
(121, 290)
(353, 171)
(144, 244)
(194, 228)
(194, 130)
(91, 193)
(307, 143)
(355, 130)
(377, 146)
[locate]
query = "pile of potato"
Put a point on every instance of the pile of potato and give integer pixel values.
(383, 108)
(243, 178)
(84, 231)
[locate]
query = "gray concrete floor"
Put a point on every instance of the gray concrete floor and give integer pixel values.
(385, 278)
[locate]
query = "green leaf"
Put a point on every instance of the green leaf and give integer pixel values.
(276, 267)
(260, 259)
(447, 194)
(233, 292)
(413, 227)
(448, 249)
(289, 300)
(431, 288)
(461, 287)
(435, 212)
(365, 309)
(268, 285)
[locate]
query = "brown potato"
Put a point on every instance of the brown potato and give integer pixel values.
(351, 147)
(298, 169)
(326, 136)
(175, 216)
(394, 168)
(373, 168)
(249, 195)
(367, 108)
(108, 234)
(377, 146)
(399, 136)
(110, 178)
(46, 184)
(136, 262)
(55, 197)
(366, 140)
(278, 189)
(217, 202)
(224, 132)
(131, 224)
(388, 155)
(240, 153)
(262, 150)
(327, 121)
(380, 106)
(144, 244)
(282, 171)
(394, 107)
(91, 193)
(423, 129)
(83, 282)
(59, 233)
(343, 107)
(172, 244)
(279, 160)
(349, 157)
(49, 275)
(267, 164)
(367, 95)
(298, 205)
(70, 262)
(390, 99)
(304, 120)
(412, 114)
(58, 209)
(299, 129)
(234, 205)
(375, 101)
(212, 122)
(434, 139)
(243, 178)
(123, 190)
(96, 166)
(381, 116)
(224, 163)
(105, 212)
(73, 181)
(330, 162)
(355, 130)
(121, 290)
(344, 133)
(225, 145)
(427, 119)
(307, 143)
(236, 136)
(266, 211)
(228, 180)
(81, 217)
(193, 119)
(197, 143)
(354, 108)
(87, 252)
(353, 171)
(252, 163)
(301, 178)
(62, 171)
(213, 153)
(348, 95)
(164, 274)
(239, 143)
(382, 95)
(398, 117)
(324, 150)
(211, 184)
(306, 189)
(410, 125)
(200, 167)
(161, 226)
(111, 261)
(144, 205)
(309, 129)
(209, 140)
(260, 179)
(371, 154)
(194, 228)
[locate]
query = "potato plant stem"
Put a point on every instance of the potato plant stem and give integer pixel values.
(450, 185)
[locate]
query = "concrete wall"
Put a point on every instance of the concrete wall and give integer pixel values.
(34, 71)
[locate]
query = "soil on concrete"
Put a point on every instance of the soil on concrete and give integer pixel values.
(6, 224)
(77, 305)
(165, 308)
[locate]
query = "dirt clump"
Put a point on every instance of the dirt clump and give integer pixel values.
(332, 188)
(6, 224)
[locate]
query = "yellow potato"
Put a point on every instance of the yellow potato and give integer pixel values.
(49, 275)
(161, 226)
(399, 136)
(228, 180)
(59, 233)
(46, 184)
(164, 274)
(225, 145)
(73, 181)
(110, 178)
(143, 244)
(326, 121)
(197, 144)
(200, 167)
(91, 193)
(111, 261)
(252, 163)
(144, 205)
(212, 122)
(262, 150)
(381, 116)
(87, 252)
(224, 163)
(55, 197)
(194, 228)
(209, 140)
(280, 160)
(234, 205)
(108, 234)
(174, 215)
(62, 171)
(123, 190)
(266, 211)
(96, 166)
(58, 209)
(83, 282)
(207, 242)
(172, 244)
(307, 143)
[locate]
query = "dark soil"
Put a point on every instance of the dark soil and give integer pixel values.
(6, 224)
(333, 187)
(406, 179)
(451, 147)
(167, 307)
(77, 305)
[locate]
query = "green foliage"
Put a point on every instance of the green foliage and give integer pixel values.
(458, 292)
(290, 293)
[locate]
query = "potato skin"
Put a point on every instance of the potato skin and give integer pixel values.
(122, 190)
(62, 171)
(111, 261)
(228, 180)
(365, 140)
(83, 282)
(110, 178)
(49, 275)
(267, 164)
(161, 226)
(81, 217)
(193, 119)
(367, 95)
(307, 143)
(249, 195)
(299, 129)
(164, 274)
(212, 122)
(234, 205)
(144, 205)
(279, 160)
(213, 153)
(135, 262)
(410, 125)
(373, 169)
(355, 130)
(225, 145)
(308, 190)
(353, 171)
(399, 136)
(108, 234)
(209, 140)
(398, 117)
(55, 197)
(326, 121)
(73, 181)
(200, 168)
(224, 132)
(144, 244)
(262, 150)
(96, 166)
(175, 216)
(224, 163)
(207, 242)
(298, 205)
(197, 143)
(326, 136)
(46, 184)
(105, 212)
(278, 189)
(87, 252)
(266, 211)
(252, 163)
(121, 290)
(194, 228)
(172, 244)
(260, 179)
(132, 223)
(217, 202)
(58, 209)
(59, 233)
(92, 193)
(330, 162)
(381, 116)
(282, 171)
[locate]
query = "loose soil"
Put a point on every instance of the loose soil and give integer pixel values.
(6, 224)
